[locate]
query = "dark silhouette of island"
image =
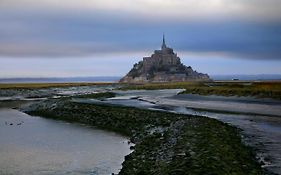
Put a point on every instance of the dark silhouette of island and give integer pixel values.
(162, 66)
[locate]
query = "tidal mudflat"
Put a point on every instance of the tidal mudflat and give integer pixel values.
(165, 142)
(259, 119)
(149, 128)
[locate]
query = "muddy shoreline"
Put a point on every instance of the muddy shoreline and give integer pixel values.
(166, 143)
(146, 99)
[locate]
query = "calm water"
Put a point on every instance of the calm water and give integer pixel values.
(34, 145)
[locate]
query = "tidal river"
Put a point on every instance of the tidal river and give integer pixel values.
(34, 145)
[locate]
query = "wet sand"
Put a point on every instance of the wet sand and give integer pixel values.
(259, 119)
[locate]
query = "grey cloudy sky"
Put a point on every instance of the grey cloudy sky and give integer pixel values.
(63, 32)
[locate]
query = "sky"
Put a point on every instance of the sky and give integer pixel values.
(70, 38)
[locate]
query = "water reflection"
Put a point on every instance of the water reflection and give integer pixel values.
(34, 145)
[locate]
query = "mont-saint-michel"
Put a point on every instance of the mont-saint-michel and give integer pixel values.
(162, 66)
(206, 101)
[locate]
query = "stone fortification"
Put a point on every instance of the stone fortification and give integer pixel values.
(162, 66)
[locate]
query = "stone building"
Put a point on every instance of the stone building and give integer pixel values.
(165, 56)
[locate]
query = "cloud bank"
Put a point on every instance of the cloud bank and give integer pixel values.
(163, 8)
(70, 28)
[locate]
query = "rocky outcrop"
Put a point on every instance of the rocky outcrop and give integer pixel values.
(162, 66)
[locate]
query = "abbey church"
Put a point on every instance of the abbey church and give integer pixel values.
(162, 66)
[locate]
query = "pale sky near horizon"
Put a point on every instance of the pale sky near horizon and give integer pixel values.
(50, 38)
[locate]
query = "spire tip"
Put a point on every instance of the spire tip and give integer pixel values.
(163, 42)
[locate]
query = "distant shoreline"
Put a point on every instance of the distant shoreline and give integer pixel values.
(114, 79)
(60, 80)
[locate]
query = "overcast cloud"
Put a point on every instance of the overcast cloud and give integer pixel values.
(48, 29)
(165, 8)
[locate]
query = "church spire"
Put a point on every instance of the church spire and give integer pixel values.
(163, 43)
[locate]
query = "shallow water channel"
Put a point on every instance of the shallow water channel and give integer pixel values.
(34, 145)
